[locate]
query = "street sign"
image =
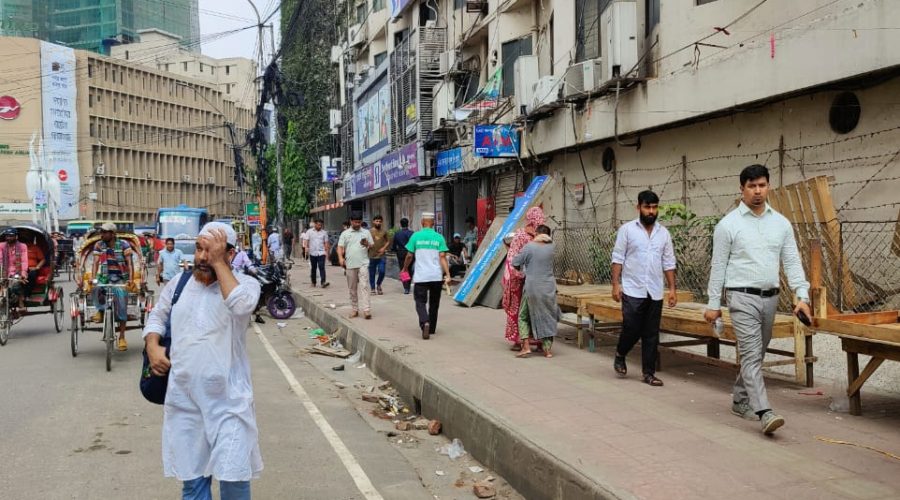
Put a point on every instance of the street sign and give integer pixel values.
(40, 199)
(252, 210)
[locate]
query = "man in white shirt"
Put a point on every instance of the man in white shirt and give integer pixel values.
(353, 253)
(642, 255)
(304, 241)
(748, 245)
(274, 243)
(209, 422)
(317, 246)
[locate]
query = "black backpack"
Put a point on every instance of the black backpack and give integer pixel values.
(153, 387)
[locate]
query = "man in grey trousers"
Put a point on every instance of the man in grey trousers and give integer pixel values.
(748, 245)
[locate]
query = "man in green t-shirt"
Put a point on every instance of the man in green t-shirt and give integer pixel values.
(430, 251)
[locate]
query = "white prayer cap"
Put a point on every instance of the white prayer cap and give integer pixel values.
(428, 215)
(230, 235)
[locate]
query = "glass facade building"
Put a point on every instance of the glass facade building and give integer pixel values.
(96, 24)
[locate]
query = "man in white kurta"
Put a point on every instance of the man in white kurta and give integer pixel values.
(209, 421)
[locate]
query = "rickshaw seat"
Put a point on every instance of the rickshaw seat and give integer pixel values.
(43, 276)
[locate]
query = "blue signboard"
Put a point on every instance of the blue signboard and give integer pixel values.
(449, 161)
(480, 267)
(496, 141)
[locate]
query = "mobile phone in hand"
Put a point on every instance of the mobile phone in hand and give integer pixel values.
(804, 318)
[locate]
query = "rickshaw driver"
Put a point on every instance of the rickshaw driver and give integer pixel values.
(15, 261)
(112, 258)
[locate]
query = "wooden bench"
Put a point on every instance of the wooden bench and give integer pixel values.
(686, 320)
(574, 298)
(875, 334)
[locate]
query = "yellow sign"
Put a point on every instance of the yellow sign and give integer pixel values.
(411, 111)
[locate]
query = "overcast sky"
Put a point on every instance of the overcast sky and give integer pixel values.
(217, 16)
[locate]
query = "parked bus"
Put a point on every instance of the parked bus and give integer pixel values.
(182, 223)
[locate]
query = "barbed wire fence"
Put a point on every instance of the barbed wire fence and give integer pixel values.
(861, 249)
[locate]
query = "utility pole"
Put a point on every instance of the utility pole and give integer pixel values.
(238, 166)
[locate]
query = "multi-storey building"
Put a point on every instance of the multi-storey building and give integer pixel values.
(96, 25)
(613, 96)
(145, 138)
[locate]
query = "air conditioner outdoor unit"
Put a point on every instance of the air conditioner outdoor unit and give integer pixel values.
(185, 178)
(620, 42)
(583, 77)
(443, 104)
(101, 170)
(210, 180)
(546, 91)
(353, 33)
(334, 116)
(448, 62)
(525, 75)
(479, 6)
(336, 54)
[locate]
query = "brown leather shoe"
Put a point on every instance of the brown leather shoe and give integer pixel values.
(354, 314)
(367, 315)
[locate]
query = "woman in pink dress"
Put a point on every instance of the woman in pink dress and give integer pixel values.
(513, 280)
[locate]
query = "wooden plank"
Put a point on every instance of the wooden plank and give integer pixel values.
(852, 375)
(867, 372)
(495, 251)
(870, 318)
(799, 352)
(846, 328)
(870, 348)
(833, 229)
(327, 351)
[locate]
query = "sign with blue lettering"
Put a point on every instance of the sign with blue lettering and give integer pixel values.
(496, 141)
(482, 270)
(449, 161)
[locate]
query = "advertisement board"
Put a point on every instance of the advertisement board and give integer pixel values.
(58, 97)
(373, 114)
(449, 161)
(496, 141)
(394, 168)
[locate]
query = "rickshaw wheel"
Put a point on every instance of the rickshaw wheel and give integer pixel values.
(109, 334)
(57, 309)
(73, 331)
(4, 320)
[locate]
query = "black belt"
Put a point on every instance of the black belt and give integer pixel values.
(756, 291)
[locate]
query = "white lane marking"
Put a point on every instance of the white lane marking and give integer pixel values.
(363, 484)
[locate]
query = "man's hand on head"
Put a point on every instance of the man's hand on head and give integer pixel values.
(215, 243)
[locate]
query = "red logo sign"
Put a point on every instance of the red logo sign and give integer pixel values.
(9, 108)
(63, 175)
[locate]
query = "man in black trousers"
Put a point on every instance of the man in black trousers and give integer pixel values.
(642, 255)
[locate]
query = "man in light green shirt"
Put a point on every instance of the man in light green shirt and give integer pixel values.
(353, 255)
(429, 249)
(748, 245)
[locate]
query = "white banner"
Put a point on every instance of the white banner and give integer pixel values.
(58, 97)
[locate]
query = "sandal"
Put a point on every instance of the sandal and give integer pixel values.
(548, 354)
(523, 354)
(652, 381)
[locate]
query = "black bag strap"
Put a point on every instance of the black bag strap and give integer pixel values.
(182, 282)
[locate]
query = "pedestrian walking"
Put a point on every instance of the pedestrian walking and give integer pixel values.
(169, 263)
(256, 244)
(539, 313)
(304, 240)
(642, 255)
(287, 239)
(209, 422)
(318, 246)
(749, 245)
(401, 238)
(513, 280)
(353, 252)
(274, 243)
(429, 250)
(376, 255)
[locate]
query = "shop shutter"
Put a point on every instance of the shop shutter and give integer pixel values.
(505, 191)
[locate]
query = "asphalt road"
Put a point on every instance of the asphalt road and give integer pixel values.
(70, 430)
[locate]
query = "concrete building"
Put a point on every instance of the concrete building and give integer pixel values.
(235, 76)
(145, 138)
(96, 25)
(611, 97)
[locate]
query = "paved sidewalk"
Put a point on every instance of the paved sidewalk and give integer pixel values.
(566, 427)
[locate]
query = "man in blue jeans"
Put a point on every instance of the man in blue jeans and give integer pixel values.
(376, 255)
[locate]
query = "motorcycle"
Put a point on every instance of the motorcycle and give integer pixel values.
(276, 293)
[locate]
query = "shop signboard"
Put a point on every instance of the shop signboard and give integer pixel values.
(394, 168)
(449, 161)
(252, 211)
(496, 141)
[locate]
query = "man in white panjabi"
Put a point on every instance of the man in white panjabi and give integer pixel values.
(209, 419)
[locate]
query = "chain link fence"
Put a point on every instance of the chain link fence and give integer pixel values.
(860, 260)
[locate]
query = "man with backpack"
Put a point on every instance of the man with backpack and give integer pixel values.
(209, 422)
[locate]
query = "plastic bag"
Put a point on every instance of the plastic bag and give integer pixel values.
(453, 450)
(354, 358)
(318, 332)
(840, 402)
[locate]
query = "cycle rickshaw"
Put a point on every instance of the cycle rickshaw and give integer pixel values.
(86, 304)
(45, 293)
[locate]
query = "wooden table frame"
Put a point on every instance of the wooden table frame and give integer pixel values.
(687, 321)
